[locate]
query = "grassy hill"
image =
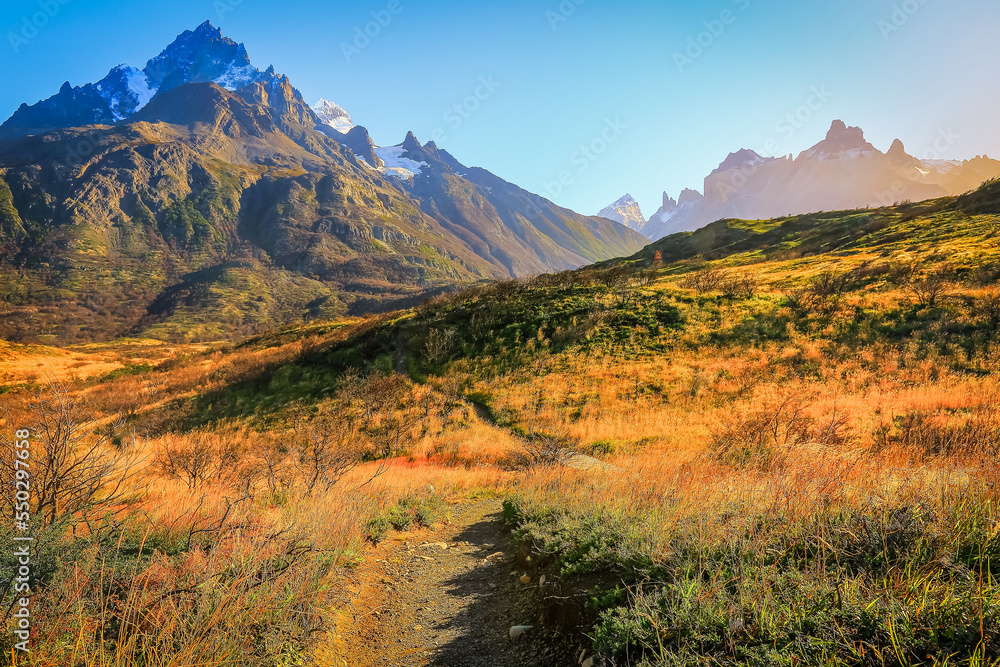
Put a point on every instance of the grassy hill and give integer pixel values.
(797, 420)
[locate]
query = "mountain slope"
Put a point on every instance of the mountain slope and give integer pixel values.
(521, 231)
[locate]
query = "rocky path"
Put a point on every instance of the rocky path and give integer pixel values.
(448, 598)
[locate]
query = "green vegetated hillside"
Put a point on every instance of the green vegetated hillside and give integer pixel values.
(211, 212)
(804, 411)
(947, 225)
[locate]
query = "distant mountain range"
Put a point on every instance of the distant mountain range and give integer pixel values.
(201, 196)
(844, 171)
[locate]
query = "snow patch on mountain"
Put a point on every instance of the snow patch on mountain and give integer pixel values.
(126, 90)
(236, 76)
(398, 166)
(138, 83)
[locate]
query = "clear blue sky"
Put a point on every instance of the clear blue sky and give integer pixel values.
(561, 81)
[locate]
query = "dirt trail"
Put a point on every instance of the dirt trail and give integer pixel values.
(447, 598)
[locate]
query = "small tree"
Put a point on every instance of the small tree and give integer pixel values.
(329, 447)
(929, 290)
(657, 262)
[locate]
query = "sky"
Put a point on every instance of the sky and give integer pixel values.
(581, 101)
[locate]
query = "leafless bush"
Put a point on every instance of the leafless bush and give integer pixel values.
(867, 271)
(823, 293)
(328, 447)
(374, 394)
(200, 458)
(542, 449)
(739, 285)
(617, 276)
(831, 283)
(729, 283)
(704, 281)
(900, 272)
(988, 307)
(270, 462)
(79, 467)
(646, 277)
(381, 405)
(762, 438)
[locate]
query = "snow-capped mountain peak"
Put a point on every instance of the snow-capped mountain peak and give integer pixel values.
(625, 211)
(334, 115)
(201, 55)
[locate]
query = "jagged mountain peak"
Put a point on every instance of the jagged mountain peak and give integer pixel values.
(688, 196)
(741, 159)
(411, 144)
(841, 140)
(897, 155)
(201, 55)
(626, 200)
(673, 213)
(208, 27)
(625, 211)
